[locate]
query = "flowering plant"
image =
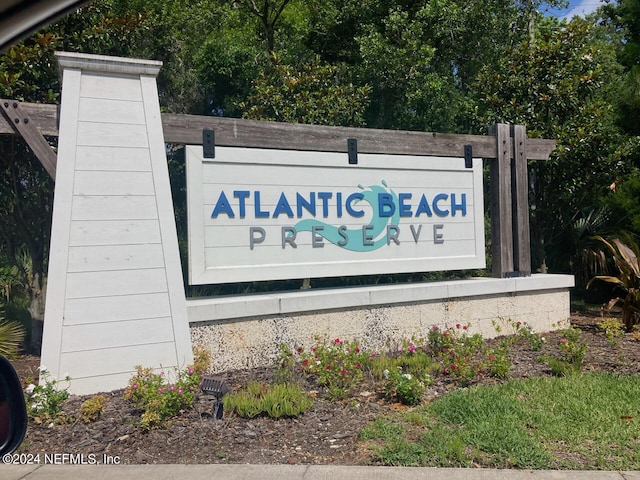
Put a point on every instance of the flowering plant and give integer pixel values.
(162, 397)
(44, 401)
(497, 361)
(572, 347)
(338, 365)
(405, 387)
(457, 351)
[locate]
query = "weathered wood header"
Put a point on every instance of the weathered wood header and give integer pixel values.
(230, 132)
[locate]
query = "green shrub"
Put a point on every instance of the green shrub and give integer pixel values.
(626, 256)
(338, 365)
(497, 361)
(612, 328)
(457, 352)
(572, 352)
(161, 397)
(276, 400)
(406, 388)
(45, 400)
(11, 336)
(92, 408)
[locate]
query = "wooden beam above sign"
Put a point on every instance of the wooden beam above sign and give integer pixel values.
(232, 132)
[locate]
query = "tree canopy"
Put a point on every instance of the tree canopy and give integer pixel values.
(441, 65)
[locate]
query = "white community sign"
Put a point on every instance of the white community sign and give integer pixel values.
(261, 214)
(116, 295)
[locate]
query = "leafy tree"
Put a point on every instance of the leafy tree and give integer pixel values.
(625, 15)
(315, 94)
(407, 93)
(556, 87)
(30, 73)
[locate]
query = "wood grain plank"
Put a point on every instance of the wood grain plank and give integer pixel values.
(96, 363)
(121, 159)
(187, 129)
(501, 207)
(114, 207)
(104, 85)
(129, 307)
(110, 111)
(95, 336)
(124, 282)
(113, 183)
(521, 241)
(115, 257)
(114, 232)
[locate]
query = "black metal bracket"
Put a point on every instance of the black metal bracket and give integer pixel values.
(516, 274)
(468, 156)
(352, 150)
(208, 144)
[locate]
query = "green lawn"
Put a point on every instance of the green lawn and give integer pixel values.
(588, 421)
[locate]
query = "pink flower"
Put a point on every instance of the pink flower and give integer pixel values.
(563, 340)
(457, 325)
(134, 386)
(343, 372)
(159, 390)
(337, 340)
(179, 391)
(492, 357)
(190, 371)
(299, 350)
(412, 348)
(172, 388)
(328, 367)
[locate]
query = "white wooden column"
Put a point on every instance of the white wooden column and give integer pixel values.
(115, 295)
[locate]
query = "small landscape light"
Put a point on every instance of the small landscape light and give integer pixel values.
(215, 386)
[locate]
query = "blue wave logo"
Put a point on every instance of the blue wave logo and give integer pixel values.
(377, 229)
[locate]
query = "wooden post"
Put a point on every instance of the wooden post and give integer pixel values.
(21, 122)
(501, 204)
(520, 197)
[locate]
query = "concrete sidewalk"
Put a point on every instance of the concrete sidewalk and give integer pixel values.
(291, 472)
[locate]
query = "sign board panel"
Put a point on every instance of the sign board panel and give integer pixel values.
(260, 214)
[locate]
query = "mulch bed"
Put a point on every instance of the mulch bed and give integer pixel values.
(325, 434)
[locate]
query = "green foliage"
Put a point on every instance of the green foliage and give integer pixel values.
(313, 94)
(92, 408)
(625, 253)
(381, 428)
(161, 397)
(612, 328)
(623, 202)
(497, 361)
(518, 424)
(457, 352)
(406, 388)
(46, 399)
(276, 400)
(336, 364)
(558, 87)
(572, 352)
(11, 336)
(624, 16)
